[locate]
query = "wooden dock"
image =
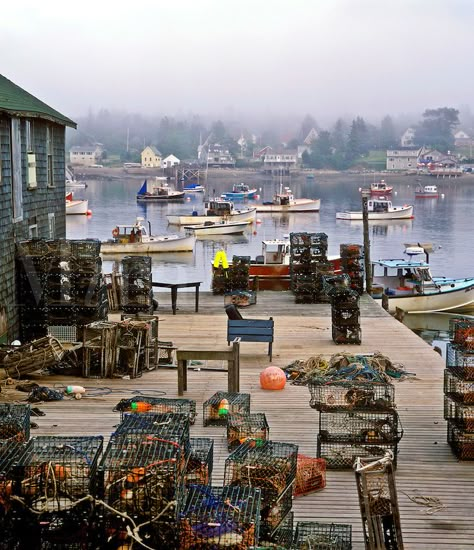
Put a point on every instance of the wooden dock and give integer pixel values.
(426, 465)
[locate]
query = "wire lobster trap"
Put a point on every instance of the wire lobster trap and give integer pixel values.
(461, 415)
(360, 427)
(461, 442)
(216, 409)
(273, 510)
(460, 362)
(378, 503)
(457, 388)
(245, 427)
(141, 481)
(200, 463)
(310, 475)
(14, 422)
(99, 349)
(340, 455)
(461, 333)
(281, 538)
(149, 404)
(312, 535)
(219, 517)
(351, 395)
(347, 334)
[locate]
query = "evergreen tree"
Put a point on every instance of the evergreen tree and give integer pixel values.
(388, 137)
(436, 128)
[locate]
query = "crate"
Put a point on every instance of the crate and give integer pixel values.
(238, 403)
(462, 443)
(54, 472)
(460, 362)
(218, 517)
(148, 404)
(312, 535)
(63, 333)
(14, 423)
(459, 414)
(282, 536)
(341, 455)
(351, 395)
(243, 427)
(360, 427)
(310, 475)
(200, 463)
(347, 335)
(457, 388)
(270, 466)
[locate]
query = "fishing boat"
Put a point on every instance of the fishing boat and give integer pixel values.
(216, 228)
(380, 188)
(286, 202)
(410, 286)
(193, 188)
(426, 192)
(215, 210)
(136, 238)
(379, 209)
(76, 206)
(240, 191)
(72, 182)
(159, 191)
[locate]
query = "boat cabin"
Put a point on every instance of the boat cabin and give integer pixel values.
(240, 188)
(379, 205)
(132, 233)
(218, 207)
(285, 198)
(276, 251)
(402, 277)
(380, 186)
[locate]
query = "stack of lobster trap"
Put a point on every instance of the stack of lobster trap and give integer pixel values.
(352, 264)
(60, 287)
(308, 266)
(345, 313)
(137, 285)
(459, 388)
(231, 278)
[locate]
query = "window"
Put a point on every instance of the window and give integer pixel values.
(52, 225)
(29, 136)
(49, 149)
(33, 231)
(17, 184)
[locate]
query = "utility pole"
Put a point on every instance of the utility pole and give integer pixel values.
(365, 220)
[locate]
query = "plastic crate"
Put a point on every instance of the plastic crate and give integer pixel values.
(149, 404)
(312, 535)
(460, 362)
(243, 427)
(14, 423)
(460, 414)
(457, 388)
(200, 464)
(360, 427)
(220, 517)
(310, 475)
(237, 403)
(462, 443)
(351, 395)
(341, 455)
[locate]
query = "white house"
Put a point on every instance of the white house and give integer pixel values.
(280, 163)
(312, 136)
(85, 156)
(151, 157)
(408, 138)
(170, 161)
(402, 159)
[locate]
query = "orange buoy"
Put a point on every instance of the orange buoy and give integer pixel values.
(272, 378)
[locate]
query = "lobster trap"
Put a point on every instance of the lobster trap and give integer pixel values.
(14, 422)
(461, 415)
(378, 503)
(460, 362)
(312, 535)
(274, 510)
(457, 388)
(347, 334)
(351, 395)
(219, 517)
(200, 462)
(148, 404)
(360, 427)
(310, 475)
(215, 412)
(244, 427)
(461, 333)
(282, 537)
(99, 349)
(340, 455)
(461, 442)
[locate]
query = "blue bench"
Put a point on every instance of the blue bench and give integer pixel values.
(251, 330)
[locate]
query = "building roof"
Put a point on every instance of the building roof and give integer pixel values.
(18, 102)
(85, 149)
(154, 150)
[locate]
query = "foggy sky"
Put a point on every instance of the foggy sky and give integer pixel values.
(323, 57)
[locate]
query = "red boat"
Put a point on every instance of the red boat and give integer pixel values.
(380, 188)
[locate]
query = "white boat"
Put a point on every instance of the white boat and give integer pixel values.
(76, 207)
(193, 188)
(240, 191)
(379, 209)
(426, 192)
(158, 192)
(215, 210)
(286, 202)
(410, 286)
(137, 239)
(216, 228)
(72, 182)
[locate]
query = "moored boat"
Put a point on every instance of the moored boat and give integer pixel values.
(216, 228)
(286, 202)
(411, 287)
(240, 191)
(193, 188)
(215, 210)
(380, 188)
(76, 206)
(426, 192)
(379, 209)
(159, 191)
(135, 238)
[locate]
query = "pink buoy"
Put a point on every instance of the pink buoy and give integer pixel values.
(258, 221)
(272, 378)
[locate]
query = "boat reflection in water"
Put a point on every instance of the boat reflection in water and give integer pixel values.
(382, 228)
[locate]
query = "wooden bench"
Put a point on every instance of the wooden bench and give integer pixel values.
(232, 357)
(251, 330)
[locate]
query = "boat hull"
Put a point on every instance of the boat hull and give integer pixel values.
(248, 216)
(239, 196)
(298, 205)
(426, 195)
(401, 213)
(162, 244)
(217, 229)
(77, 207)
(195, 189)
(161, 198)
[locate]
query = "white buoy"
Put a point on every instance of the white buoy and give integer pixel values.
(188, 199)
(258, 221)
(442, 195)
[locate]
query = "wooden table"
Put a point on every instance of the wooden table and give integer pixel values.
(174, 292)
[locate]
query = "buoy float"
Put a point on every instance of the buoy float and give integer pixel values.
(140, 406)
(188, 199)
(258, 221)
(272, 378)
(89, 212)
(256, 197)
(223, 409)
